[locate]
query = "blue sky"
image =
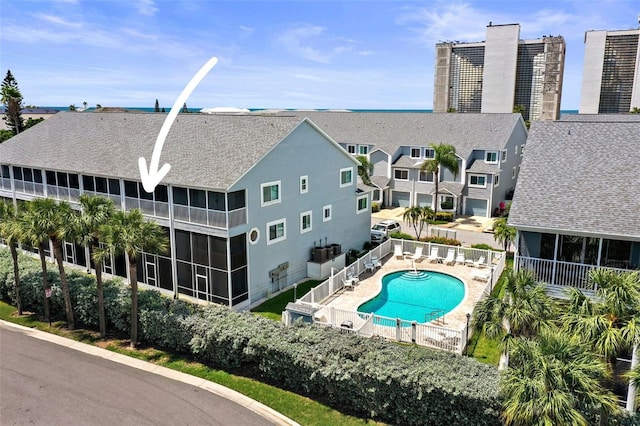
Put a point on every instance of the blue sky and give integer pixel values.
(272, 54)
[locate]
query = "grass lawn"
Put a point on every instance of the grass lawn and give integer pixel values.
(272, 308)
(299, 408)
(480, 347)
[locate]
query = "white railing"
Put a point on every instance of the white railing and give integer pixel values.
(566, 274)
(214, 218)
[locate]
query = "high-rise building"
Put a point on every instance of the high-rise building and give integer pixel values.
(611, 75)
(500, 74)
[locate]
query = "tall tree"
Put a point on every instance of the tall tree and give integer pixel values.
(365, 169)
(503, 233)
(554, 379)
(56, 220)
(418, 217)
(96, 213)
(128, 232)
(445, 157)
(157, 107)
(523, 311)
(12, 101)
(11, 232)
(36, 236)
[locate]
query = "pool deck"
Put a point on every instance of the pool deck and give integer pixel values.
(370, 285)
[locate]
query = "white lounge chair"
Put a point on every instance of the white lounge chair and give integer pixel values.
(450, 259)
(417, 256)
(460, 259)
(348, 284)
(479, 263)
(433, 257)
(481, 275)
(397, 251)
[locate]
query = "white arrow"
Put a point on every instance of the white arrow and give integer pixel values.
(150, 179)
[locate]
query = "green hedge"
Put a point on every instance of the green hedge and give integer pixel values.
(397, 384)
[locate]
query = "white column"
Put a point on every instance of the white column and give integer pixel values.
(172, 245)
(555, 259)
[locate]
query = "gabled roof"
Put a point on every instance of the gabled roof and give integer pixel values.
(454, 188)
(407, 161)
(210, 151)
(580, 177)
(380, 181)
(390, 130)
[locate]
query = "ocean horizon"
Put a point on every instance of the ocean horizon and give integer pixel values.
(197, 109)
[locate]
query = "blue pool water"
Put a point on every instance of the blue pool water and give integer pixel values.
(420, 296)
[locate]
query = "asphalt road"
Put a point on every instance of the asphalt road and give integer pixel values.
(42, 383)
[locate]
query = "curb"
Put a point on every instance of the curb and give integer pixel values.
(250, 404)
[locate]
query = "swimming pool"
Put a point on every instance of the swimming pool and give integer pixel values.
(420, 296)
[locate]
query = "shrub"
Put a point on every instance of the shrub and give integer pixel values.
(375, 207)
(402, 236)
(446, 216)
(441, 240)
(484, 246)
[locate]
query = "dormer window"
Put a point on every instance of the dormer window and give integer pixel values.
(363, 149)
(429, 153)
(415, 152)
(491, 157)
(351, 149)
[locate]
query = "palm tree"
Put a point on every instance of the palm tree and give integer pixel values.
(56, 221)
(365, 169)
(445, 157)
(418, 217)
(503, 233)
(554, 379)
(130, 233)
(11, 232)
(96, 212)
(610, 323)
(523, 311)
(36, 236)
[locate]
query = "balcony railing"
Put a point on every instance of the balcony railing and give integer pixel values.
(214, 218)
(560, 273)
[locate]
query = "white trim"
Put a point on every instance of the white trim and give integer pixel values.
(522, 149)
(304, 179)
(266, 184)
(486, 153)
(420, 172)
(283, 237)
(324, 210)
(302, 216)
(419, 152)
(427, 151)
(355, 149)
(496, 180)
(366, 148)
(514, 172)
(257, 231)
(366, 208)
(503, 155)
(346, 169)
(477, 185)
(400, 170)
(516, 151)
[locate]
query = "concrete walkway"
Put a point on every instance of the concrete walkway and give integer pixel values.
(267, 413)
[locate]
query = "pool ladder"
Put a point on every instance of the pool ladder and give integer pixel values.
(437, 316)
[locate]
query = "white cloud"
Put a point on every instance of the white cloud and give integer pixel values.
(57, 20)
(245, 31)
(313, 43)
(146, 7)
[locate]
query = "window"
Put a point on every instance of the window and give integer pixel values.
(446, 202)
(491, 157)
(415, 152)
(305, 222)
(496, 180)
(516, 151)
(425, 176)
(514, 173)
(503, 155)
(304, 184)
(351, 149)
(522, 149)
(363, 149)
(429, 153)
(363, 203)
(276, 231)
(346, 177)
(270, 193)
(254, 236)
(478, 181)
(326, 213)
(401, 174)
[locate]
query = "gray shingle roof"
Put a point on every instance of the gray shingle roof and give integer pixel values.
(380, 181)
(580, 177)
(390, 130)
(454, 188)
(407, 161)
(479, 166)
(210, 151)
